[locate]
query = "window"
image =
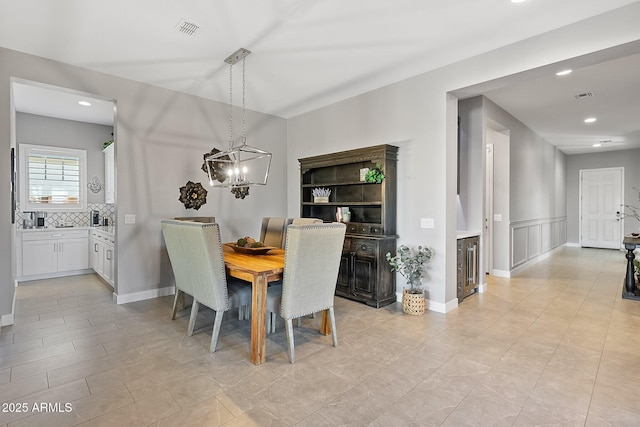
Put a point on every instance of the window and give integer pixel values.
(52, 178)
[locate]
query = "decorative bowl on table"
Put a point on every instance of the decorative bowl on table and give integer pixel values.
(248, 250)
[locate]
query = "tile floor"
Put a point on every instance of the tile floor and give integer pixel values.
(555, 345)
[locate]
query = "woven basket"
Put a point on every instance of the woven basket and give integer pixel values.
(413, 304)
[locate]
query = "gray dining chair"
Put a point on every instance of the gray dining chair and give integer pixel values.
(205, 219)
(311, 264)
(273, 231)
(271, 314)
(195, 252)
(305, 221)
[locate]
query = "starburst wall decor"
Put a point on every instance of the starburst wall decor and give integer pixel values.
(193, 195)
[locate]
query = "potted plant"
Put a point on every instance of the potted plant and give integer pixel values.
(375, 174)
(411, 264)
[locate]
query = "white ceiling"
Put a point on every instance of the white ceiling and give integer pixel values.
(308, 54)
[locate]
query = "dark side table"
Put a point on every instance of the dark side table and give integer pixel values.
(630, 291)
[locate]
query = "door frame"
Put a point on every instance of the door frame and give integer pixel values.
(488, 214)
(621, 222)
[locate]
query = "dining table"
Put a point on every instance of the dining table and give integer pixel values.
(259, 271)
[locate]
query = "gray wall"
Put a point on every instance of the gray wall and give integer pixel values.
(529, 180)
(628, 159)
(419, 115)
(161, 136)
(160, 139)
(49, 131)
(471, 173)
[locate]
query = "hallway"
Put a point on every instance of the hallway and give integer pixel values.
(555, 345)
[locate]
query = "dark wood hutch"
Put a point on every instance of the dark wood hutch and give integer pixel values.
(365, 274)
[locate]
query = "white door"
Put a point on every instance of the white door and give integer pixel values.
(601, 200)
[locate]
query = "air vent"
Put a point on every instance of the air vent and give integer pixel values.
(584, 95)
(186, 27)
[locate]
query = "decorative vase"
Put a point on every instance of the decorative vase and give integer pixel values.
(413, 304)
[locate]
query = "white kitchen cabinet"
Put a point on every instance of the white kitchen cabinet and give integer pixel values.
(109, 174)
(102, 254)
(49, 253)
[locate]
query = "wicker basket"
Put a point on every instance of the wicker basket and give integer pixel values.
(413, 304)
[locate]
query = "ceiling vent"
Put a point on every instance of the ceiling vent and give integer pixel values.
(584, 95)
(185, 27)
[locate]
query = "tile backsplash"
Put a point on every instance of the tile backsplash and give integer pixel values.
(78, 219)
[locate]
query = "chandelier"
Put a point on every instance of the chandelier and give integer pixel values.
(242, 166)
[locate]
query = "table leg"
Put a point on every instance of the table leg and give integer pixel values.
(258, 325)
(629, 279)
(325, 328)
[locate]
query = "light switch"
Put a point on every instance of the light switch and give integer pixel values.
(426, 222)
(130, 219)
(497, 217)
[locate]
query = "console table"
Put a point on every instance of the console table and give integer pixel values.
(630, 291)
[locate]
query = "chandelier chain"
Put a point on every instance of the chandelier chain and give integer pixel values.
(244, 111)
(230, 106)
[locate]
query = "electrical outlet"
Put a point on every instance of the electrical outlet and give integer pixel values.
(130, 219)
(426, 222)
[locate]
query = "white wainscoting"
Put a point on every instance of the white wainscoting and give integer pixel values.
(532, 240)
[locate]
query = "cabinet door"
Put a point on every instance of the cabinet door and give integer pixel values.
(94, 249)
(73, 254)
(364, 275)
(109, 174)
(344, 274)
(39, 257)
(107, 265)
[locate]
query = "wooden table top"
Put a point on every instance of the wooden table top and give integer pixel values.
(630, 240)
(271, 263)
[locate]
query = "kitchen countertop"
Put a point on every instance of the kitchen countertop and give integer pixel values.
(463, 234)
(110, 229)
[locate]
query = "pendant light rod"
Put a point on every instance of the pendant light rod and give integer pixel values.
(241, 166)
(237, 56)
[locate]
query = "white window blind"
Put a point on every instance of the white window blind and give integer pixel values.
(54, 178)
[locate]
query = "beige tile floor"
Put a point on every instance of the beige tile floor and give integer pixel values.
(555, 345)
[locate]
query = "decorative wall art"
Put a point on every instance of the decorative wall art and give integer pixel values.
(193, 195)
(240, 192)
(95, 185)
(215, 169)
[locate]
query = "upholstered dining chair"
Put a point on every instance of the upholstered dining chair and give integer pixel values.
(305, 221)
(271, 314)
(195, 252)
(273, 230)
(205, 219)
(311, 264)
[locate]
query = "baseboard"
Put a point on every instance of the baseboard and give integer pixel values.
(143, 295)
(435, 306)
(54, 275)
(9, 319)
(482, 288)
(535, 260)
(501, 273)
(573, 245)
(442, 308)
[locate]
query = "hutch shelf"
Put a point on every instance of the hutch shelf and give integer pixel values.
(365, 274)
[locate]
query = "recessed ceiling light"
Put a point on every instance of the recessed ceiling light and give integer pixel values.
(84, 103)
(563, 72)
(597, 144)
(518, 1)
(590, 120)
